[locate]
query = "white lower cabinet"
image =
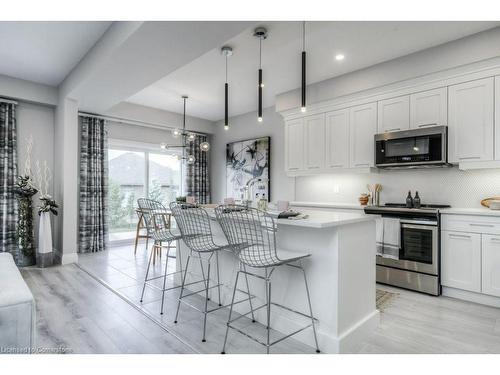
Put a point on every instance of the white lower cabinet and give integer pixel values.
(461, 260)
(491, 265)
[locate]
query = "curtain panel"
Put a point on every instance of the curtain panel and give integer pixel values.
(8, 175)
(197, 174)
(93, 226)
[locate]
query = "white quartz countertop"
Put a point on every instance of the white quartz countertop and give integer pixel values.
(345, 206)
(321, 219)
(481, 211)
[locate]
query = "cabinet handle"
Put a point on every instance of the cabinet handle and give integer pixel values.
(336, 166)
(424, 125)
(482, 225)
(293, 169)
(391, 130)
(362, 165)
(493, 239)
(459, 235)
(312, 167)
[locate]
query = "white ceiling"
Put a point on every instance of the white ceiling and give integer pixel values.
(363, 44)
(45, 52)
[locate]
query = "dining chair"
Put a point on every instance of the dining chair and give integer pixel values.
(252, 235)
(159, 229)
(140, 226)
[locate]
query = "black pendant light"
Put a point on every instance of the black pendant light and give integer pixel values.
(226, 51)
(261, 33)
(303, 102)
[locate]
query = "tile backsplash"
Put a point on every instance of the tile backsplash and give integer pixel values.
(451, 186)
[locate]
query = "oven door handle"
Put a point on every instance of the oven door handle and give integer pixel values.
(431, 227)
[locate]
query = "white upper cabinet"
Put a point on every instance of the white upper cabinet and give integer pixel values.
(394, 114)
(497, 118)
(428, 108)
(470, 121)
(337, 139)
(363, 127)
(314, 127)
(461, 260)
(491, 265)
(294, 145)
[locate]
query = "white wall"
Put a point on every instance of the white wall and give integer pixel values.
(131, 111)
(246, 127)
(27, 91)
(440, 186)
(37, 121)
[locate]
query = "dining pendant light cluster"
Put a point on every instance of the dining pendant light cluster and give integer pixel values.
(186, 137)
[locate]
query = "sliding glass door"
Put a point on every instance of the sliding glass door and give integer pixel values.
(136, 173)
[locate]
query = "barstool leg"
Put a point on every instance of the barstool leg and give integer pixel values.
(202, 271)
(206, 303)
(268, 297)
(230, 312)
(218, 277)
(249, 295)
(178, 254)
(165, 278)
(182, 288)
(147, 272)
(310, 308)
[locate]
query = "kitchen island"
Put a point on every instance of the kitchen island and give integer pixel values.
(340, 271)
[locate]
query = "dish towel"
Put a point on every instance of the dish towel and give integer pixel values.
(388, 237)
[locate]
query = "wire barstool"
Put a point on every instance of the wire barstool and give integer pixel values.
(194, 224)
(160, 231)
(252, 235)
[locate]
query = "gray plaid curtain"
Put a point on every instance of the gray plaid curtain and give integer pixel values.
(197, 174)
(8, 175)
(93, 185)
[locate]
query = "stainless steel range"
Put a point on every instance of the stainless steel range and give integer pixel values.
(416, 265)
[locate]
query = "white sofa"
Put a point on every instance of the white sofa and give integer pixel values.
(17, 309)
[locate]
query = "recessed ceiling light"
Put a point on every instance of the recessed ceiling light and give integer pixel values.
(339, 57)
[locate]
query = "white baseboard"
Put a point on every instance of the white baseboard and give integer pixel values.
(68, 258)
(465, 295)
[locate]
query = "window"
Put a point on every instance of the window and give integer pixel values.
(135, 173)
(164, 177)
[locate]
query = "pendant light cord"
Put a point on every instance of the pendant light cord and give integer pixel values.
(184, 117)
(303, 35)
(260, 53)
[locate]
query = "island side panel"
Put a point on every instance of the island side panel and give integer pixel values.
(358, 315)
(322, 274)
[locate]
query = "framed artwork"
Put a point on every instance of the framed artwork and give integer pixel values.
(247, 167)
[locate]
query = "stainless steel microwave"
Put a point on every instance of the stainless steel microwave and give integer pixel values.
(416, 148)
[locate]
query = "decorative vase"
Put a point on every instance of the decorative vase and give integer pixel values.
(26, 246)
(44, 255)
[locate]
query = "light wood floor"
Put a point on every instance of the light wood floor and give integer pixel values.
(76, 311)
